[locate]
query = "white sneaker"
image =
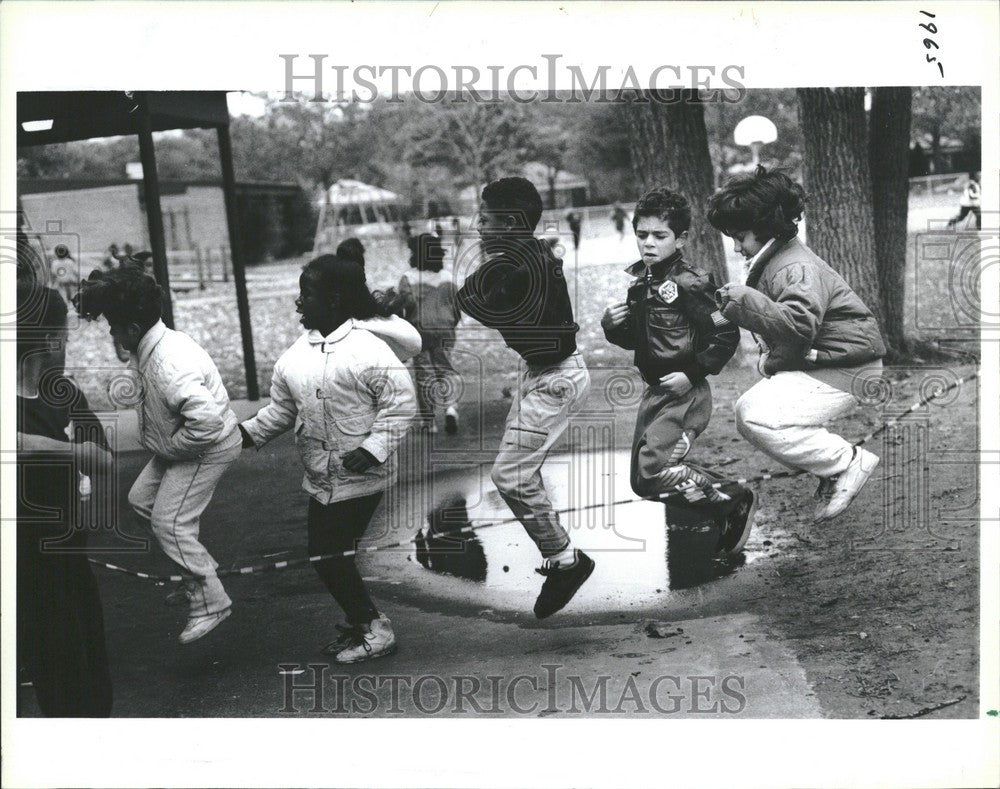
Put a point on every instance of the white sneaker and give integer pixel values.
(850, 483)
(201, 625)
(451, 420)
(373, 640)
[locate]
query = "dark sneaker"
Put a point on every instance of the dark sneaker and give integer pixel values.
(561, 584)
(738, 525)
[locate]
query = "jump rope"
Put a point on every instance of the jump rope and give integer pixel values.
(671, 494)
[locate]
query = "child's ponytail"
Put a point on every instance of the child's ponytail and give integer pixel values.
(123, 295)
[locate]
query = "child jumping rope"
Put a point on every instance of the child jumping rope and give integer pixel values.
(520, 290)
(184, 420)
(350, 400)
(670, 320)
(818, 340)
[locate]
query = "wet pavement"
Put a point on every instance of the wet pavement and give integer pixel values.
(642, 553)
(659, 613)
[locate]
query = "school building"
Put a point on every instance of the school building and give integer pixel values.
(276, 219)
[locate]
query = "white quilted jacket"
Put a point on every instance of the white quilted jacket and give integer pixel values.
(346, 390)
(184, 410)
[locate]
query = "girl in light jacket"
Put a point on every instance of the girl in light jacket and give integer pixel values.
(184, 420)
(821, 344)
(345, 390)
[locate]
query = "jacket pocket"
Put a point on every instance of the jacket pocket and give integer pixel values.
(316, 460)
(350, 432)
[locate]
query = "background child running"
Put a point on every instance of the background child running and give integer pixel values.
(670, 320)
(520, 290)
(819, 342)
(969, 202)
(428, 302)
(350, 400)
(184, 420)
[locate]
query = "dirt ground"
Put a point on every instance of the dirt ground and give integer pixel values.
(878, 608)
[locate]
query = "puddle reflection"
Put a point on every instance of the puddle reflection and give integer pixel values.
(643, 551)
(462, 556)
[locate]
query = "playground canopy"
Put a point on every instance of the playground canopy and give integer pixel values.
(347, 192)
(354, 203)
(47, 117)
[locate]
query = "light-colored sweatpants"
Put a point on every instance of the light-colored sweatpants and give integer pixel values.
(172, 494)
(782, 416)
(545, 400)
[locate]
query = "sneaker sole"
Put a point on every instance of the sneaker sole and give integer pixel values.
(850, 501)
(222, 618)
(384, 653)
(572, 594)
(746, 529)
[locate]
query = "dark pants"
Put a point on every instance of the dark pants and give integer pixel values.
(665, 430)
(964, 211)
(60, 628)
(338, 527)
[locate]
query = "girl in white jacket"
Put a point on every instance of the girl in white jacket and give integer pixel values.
(184, 420)
(344, 388)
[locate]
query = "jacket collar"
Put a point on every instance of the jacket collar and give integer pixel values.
(638, 268)
(756, 264)
(149, 341)
(315, 338)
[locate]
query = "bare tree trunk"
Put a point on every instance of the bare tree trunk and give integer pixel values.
(669, 146)
(889, 150)
(840, 222)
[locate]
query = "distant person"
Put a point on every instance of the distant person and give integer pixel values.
(619, 217)
(456, 236)
(969, 202)
(65, 272)
(428, 302)
(575, 222)
(186, 423)
(112, 258)
(352, 249)
(61, 443)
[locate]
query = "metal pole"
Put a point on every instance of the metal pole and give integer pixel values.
(154, 215)
(239, 271)
(200, 267)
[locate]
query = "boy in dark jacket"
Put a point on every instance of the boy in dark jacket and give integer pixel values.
(520, 290)
(670, 320)
(819, 341)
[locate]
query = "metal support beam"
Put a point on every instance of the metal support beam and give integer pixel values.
(239, 268)
(154, 216)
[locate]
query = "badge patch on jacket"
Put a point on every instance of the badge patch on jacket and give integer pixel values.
(668, 291)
